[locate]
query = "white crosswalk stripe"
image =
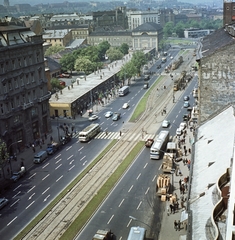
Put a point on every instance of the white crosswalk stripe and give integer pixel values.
(116, 135)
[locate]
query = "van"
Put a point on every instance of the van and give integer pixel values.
(40, 157)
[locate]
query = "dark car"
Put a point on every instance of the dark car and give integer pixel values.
(146, 77)
(159, 66)
(116, 116)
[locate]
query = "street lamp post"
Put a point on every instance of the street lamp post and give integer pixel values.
(9, 156)
(135, 219)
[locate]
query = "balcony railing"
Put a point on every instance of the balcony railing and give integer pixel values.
(47, 96)
(27, 105)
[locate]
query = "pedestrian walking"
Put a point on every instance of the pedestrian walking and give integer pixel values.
(177, 205)
(185, 151)
(179, 225)
(180, 183)
(182, 204)
(106, 133)
(175, 225)
(183, 189)
(168, 211)
(120, 133)
(171, 208)
(189, 150)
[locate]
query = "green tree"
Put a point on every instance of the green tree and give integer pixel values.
(124, 48)
(4, 155)
(67, 62)
(179, 29)
(55, 85)
(102, 48)
(84, 64)
(138, 60)
(114, 54)
(127, 71)
(54, 49)
(168, 29)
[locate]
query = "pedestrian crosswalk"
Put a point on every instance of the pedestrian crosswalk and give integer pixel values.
(121, 135)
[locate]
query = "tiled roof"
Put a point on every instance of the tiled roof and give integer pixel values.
(149, 26)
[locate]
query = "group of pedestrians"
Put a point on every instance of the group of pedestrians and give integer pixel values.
(177, 225)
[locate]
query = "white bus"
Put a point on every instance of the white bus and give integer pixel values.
(89, 132)
(137, 233)
(159, 144)
(123, 91)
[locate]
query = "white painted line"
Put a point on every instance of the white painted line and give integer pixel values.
(80, 148)
(31, 189)
(46, 198)
(59, 178)
(121, 202)
(32, 176)
(58, 160)
(11, 221)
(153, 180)
(129, 223)
(68, 148)
(57, 167)
(82, 158)
(46, 190)
(15, 202)
(110, 219)
(16, 194)
(30, 204)
(71, 167)
(17, 187)
(139, 205)
(58, 156)
(69, 157)
(71, 162)
(130, 188)
(46, 176)
(138, 176)
(147, 191)
(45, 165)
(84, 163)
(160, 167)
(31, 196)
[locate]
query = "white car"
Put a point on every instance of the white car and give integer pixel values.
(178, 131)
(108, 114)
(165, 124)
(3, 202)
(171, 57)
(183, 125)
(93, 117)
(125, 106)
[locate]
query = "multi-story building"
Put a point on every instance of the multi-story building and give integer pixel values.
(229, 12)
(24, 109)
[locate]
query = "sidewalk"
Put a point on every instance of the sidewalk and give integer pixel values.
(168, 230)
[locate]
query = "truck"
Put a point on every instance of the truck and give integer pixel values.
(163, 186)
(178, 83)
(53, 147)
(17, 175)
(169, 156)
(177, 63)
(103, 235)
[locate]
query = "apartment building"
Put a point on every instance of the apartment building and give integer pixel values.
(24, 109)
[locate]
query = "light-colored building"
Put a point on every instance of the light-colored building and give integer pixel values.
(197, 33)
(24, 108)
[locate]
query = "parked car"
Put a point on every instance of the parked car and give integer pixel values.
(108, 114)
(183, 125)
(116, 116)
(125, 105)
(165, 124)
(65, 75)
(159, 66)
(53, 147)
(146, 85)
(17, 175)
(65, 139)
(3, 202)
(178, 131)
(93, 117)
(146, 77)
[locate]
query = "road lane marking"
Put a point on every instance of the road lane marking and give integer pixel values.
(153, 180)
(46, 190)
(139, 205)
(101, 123)
(45, 165)
(15, 202)
(147, 191)
(121, 202)
(58, 161)
(11, 221)
(68, 148)
(30, 204)
(69, 157)
(71, 162)
(138, 176)
(31, 196)
(128, 224)
(110, 219)
(58, 156)
(84, 163)
(45, 199)
(46, 176)
(160, 167)
(17, 187)
(130, 188)
(58, 166)
(145, 165)
(71, 167)
(59, 178)
(32, 176)
(80, 148)
(31, 189)
(16, 194)
(82, 158)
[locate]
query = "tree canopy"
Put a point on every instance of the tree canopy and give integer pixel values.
(114, 54)
(54, 49)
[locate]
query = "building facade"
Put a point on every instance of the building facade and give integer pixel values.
(24, 108)
(229, 13)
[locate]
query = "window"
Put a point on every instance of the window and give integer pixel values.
(17, 119)
(2, 109)
(10, 85)
(34, 111)
(22, 81)
(12, 104)
(27, 79)
(34, 94)
(13, 64)
(19, 62)
(32, 77)
(29, 97)
(4, 88)
(25, 61)
(18, 101)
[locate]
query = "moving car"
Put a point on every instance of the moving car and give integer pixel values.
(3, 202)
(93, 117)
(53, 147)
(146, 77)
(116, 116)
(149, 142)
(186, 98)
(125, 105)
(146, 85)
(17, 175)
(186, 104)
(108, 114)
(165, 124)
(171, 57)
